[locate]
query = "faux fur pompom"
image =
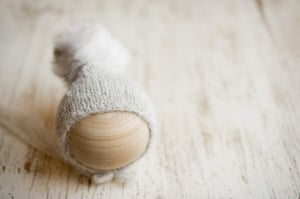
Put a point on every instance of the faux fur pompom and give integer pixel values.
(87, 44)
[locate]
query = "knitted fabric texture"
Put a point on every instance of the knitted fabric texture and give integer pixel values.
(96, 90)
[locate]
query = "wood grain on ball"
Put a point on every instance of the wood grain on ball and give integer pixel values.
(109, 140)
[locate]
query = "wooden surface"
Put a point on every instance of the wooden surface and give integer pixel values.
(224, 77)
(109, 140)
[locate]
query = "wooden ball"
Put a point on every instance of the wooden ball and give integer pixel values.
(108, 140)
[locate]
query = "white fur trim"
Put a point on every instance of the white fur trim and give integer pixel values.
(88, 43)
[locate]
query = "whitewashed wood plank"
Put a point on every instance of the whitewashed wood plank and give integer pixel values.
(222, 74)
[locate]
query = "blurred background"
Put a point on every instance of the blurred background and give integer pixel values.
(224, 78)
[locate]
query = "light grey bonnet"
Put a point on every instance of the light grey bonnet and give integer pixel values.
(87, 57)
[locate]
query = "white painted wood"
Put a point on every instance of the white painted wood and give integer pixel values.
(224, 77)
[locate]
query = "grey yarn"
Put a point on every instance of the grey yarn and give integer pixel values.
(95, 90)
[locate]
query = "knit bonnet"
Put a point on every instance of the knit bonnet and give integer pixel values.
(90, 60)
